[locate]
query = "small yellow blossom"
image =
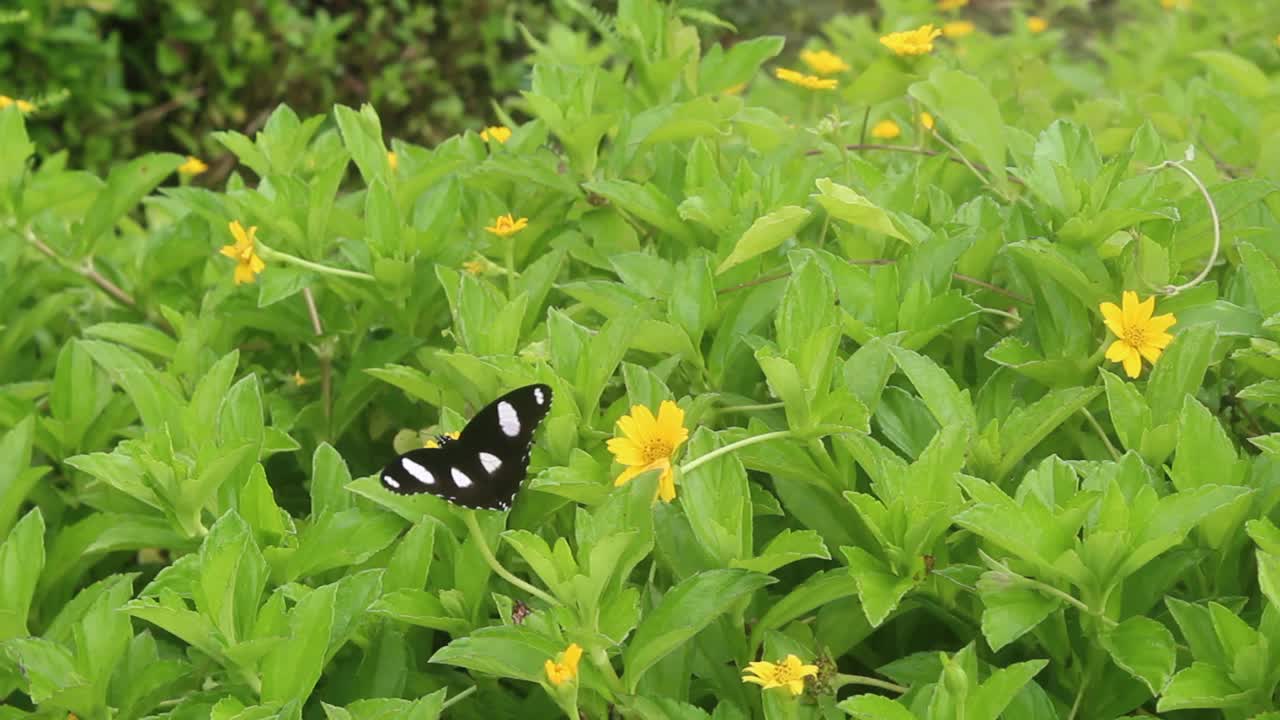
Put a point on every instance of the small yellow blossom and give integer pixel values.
(298, 379)
(885, 130)
(823, 62)
(393, 160)
(496, 132)
(475, 267)
(734, 89)
(1037, 24)
(912, 42)
(958, 29)
(789, 673)
(1181, 5)
(193, 166)
(1139, 335)
(926, 120)
(434, 440)
(649, 443)
(248, 264)
(565, 668)
(506, 225)
(812, 82)
(949, 5)
(23, 106)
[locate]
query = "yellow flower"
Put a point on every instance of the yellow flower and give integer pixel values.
(393, 160)
(823, 62)
(958, 29)
(193, 166)
(949, 5)
(23, 106)
(789, 674)
(813, 82)
(475, 267)
(496, 132)
(434, 440)
(912, 42)
(1037, 24)
(1139, 334)
(885, 130)
(565, 668)
(506, 225)
(649, 444)
(248, 264)
(926, 120)
(298, 379)
(734, 89)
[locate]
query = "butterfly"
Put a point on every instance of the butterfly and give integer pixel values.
(484, 466)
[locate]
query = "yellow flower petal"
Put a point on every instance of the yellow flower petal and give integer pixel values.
(1129, 304)
(1132, 363)
(1150, 352)
(1160, 340)
(1113, 317)
(625, 451)
(1145, 309)
(1118, 351)
(1160, 323)
(667, 485)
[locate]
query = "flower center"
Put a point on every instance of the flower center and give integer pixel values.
(1134, 336)
(656, 449)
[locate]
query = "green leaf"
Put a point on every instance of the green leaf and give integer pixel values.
(17, 144)
(290, 671)
(786, 547)
(421, 608)
(233, 575)
(1129, 412)
(1010, 611)
(845, 204)
(1027, 427)
(362, 134)
(1264, 277)
(971, 113)
(816, 591)
(1247, 78)
(21, 560)
(1201, 686)
(15, 479)
(513, 651)
(139, 337)
(995, 694)
(879, 589)
(1145, 649)
(126, 186)
(948, 404)
(766, 233)
(686, 609)
(1179, 371)
(646, 202)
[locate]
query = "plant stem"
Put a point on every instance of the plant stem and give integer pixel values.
(456, 698)
(269, 254)
(1213, 215)
(509, 257)
(600, 659)
(708, 457)
(469, 516)
(750, 408)
(1115, 454)
(325, 354)
(842, 679)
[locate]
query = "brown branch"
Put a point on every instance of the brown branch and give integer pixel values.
(882, 261)
(151, 115)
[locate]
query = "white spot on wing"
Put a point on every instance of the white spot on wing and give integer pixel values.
(537, 396)
(390, 481)
(460, 478)
(490, 462)
(420, 473)
(508, 419)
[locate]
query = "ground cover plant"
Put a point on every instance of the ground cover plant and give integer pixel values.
(927, 369)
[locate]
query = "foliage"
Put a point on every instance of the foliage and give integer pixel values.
(909, 464)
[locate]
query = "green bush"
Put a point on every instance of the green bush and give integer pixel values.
(940, 463)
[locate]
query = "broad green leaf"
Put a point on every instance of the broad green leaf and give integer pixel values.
(1145, 649)
(845, 204)
(1010, 611)
(876, 707)
(995, 694)
(291, 671)
(126, 186)
(685, 609)
(766, 233)
(1247, 77)
(15, 479)
(879, 589)
(1201, 686)
(512, 651)
(971, 113)
(1179, 371)
(21, 560)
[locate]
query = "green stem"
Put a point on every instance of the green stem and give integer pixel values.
(1097, 428)
(843, 679)
(708, 457)
(267, 253)
(509, 257)
(750, 408)
(456, 698)
(469, 516)
(600, 659)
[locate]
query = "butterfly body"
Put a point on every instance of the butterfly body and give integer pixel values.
(483, 467)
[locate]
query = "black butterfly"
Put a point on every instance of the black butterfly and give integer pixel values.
(484, 466)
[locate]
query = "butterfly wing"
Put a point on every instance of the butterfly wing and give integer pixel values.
(484, 467)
